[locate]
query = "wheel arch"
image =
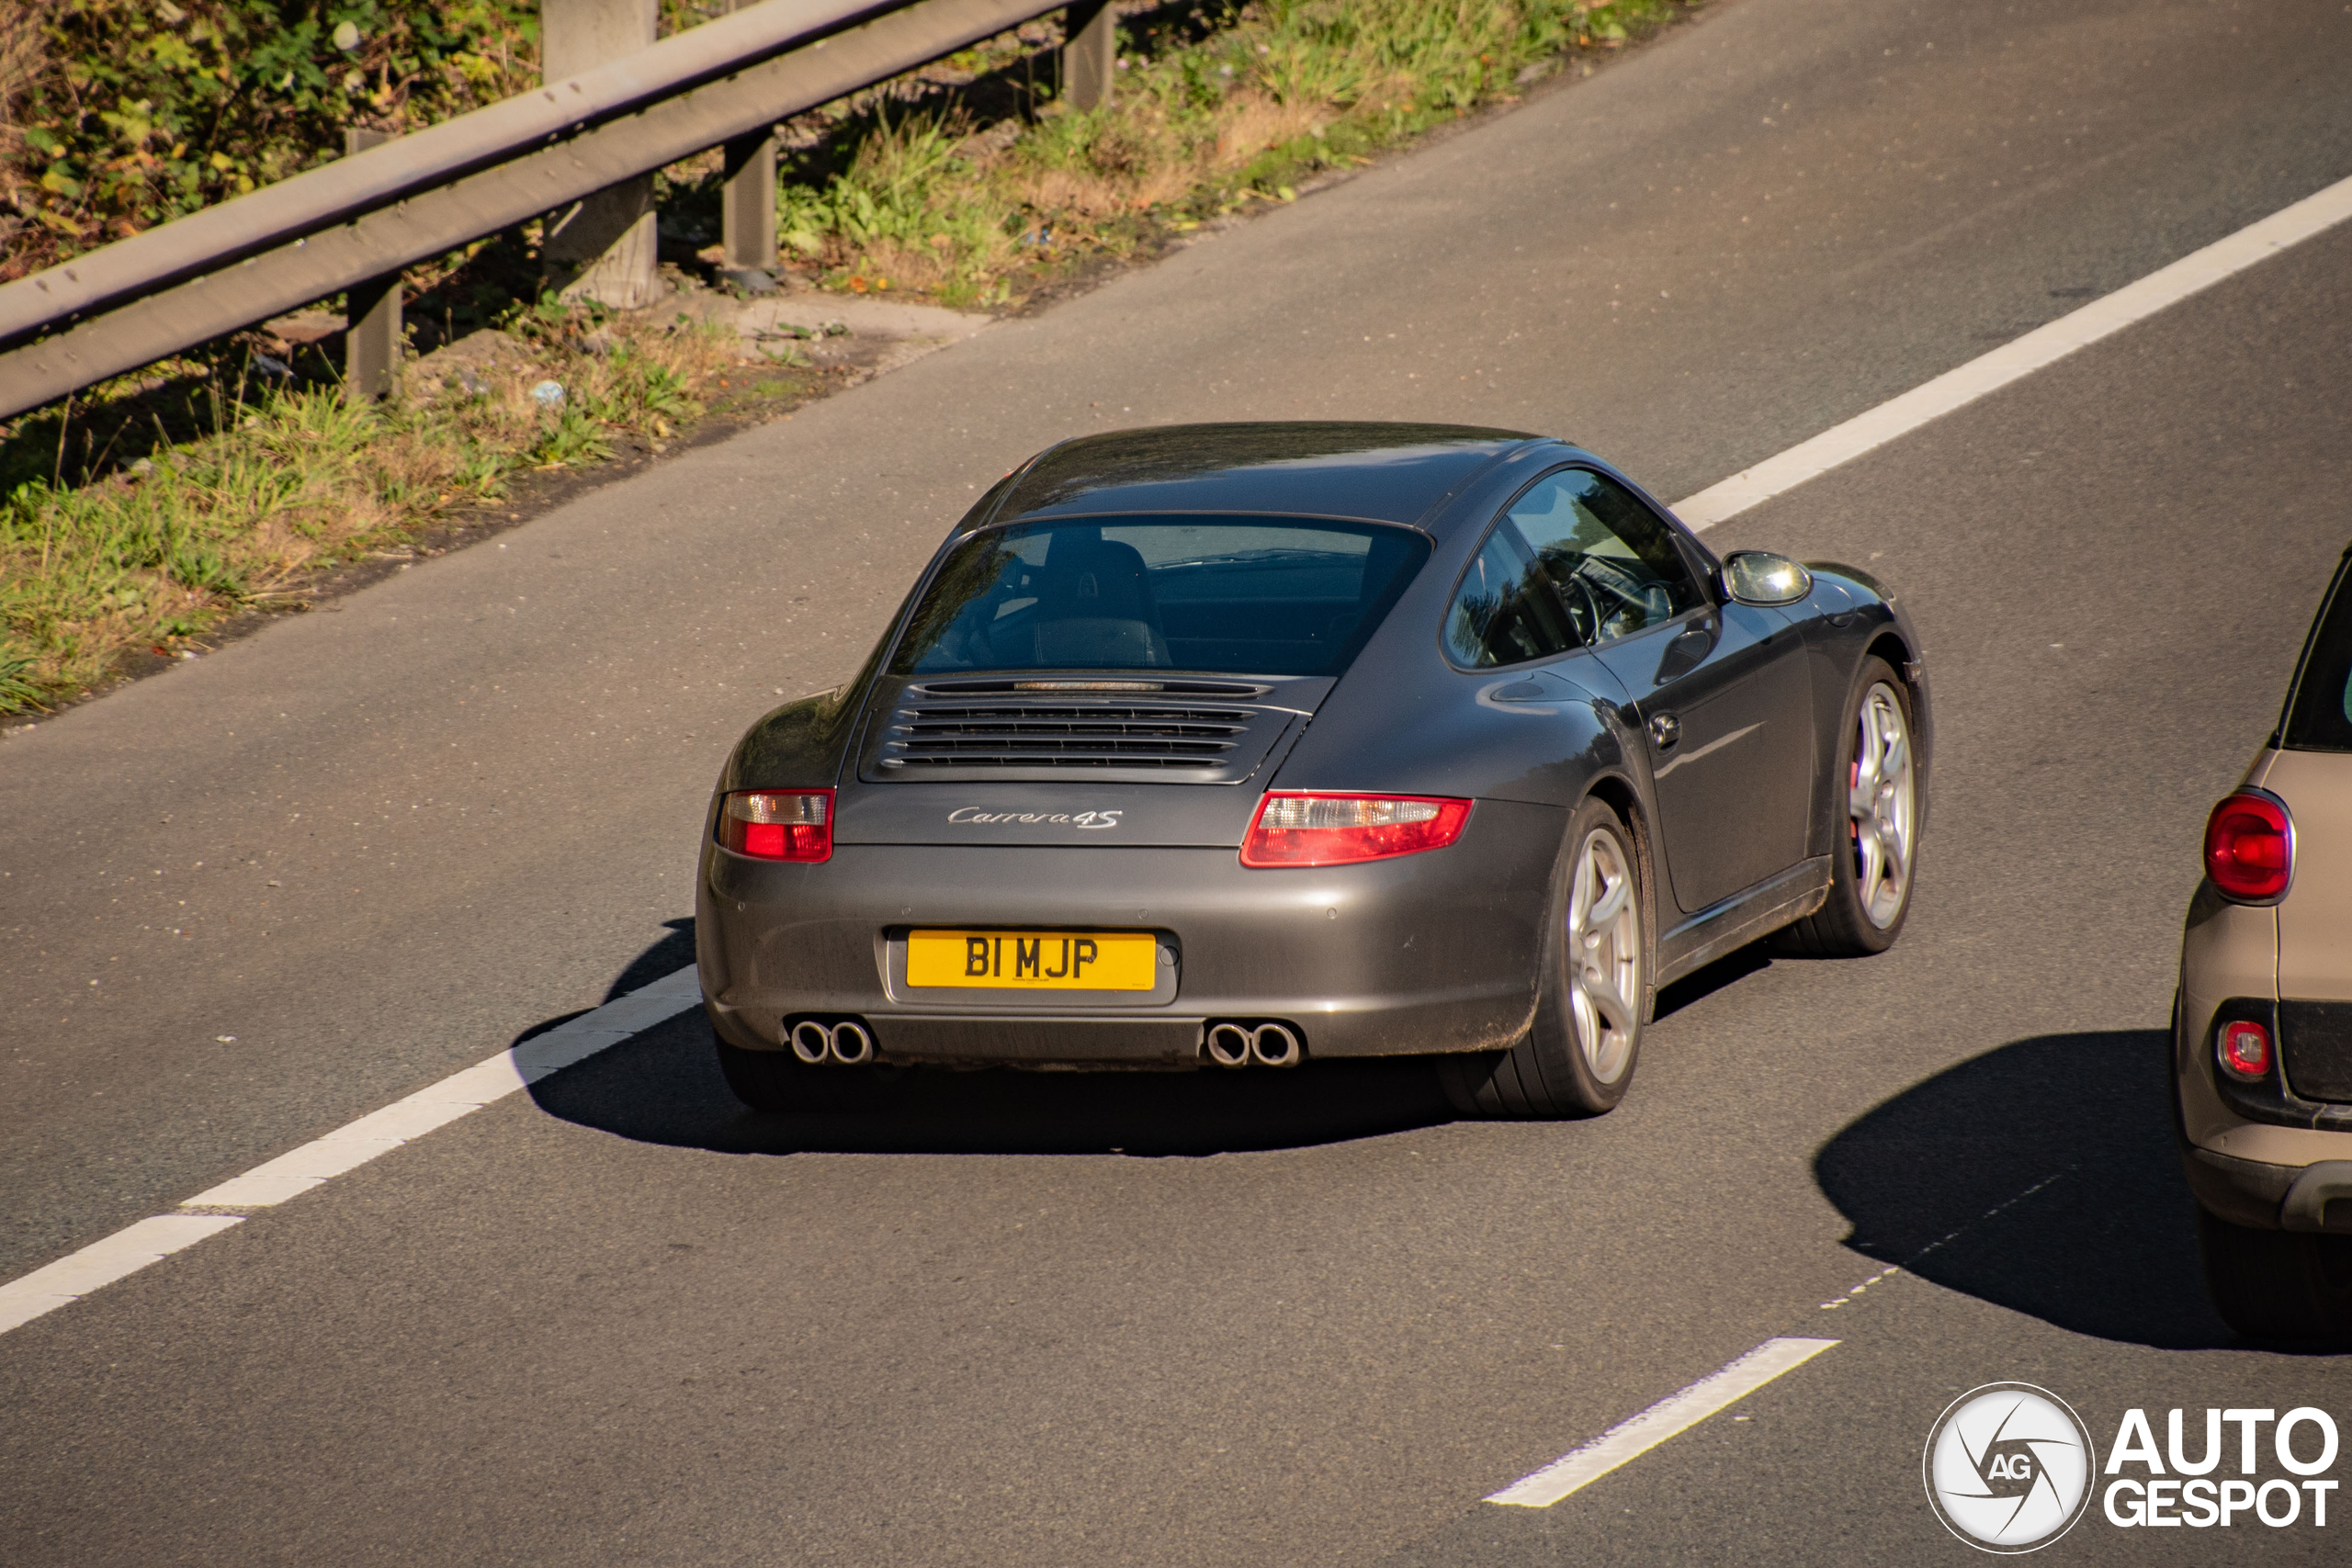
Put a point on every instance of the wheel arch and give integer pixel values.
(1891, 644)
(1619, 794)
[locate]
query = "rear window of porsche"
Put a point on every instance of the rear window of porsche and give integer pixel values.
(2318, 714)
(1232, 595)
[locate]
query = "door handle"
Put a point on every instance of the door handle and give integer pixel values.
(1665, 729)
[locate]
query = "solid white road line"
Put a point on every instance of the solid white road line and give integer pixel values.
(1632, 1438)
(348, 1146)
(2020, 358)
(354, 1145)
(102, 1262)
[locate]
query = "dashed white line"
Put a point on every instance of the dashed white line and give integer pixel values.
(1891, 1270)
(1678, 1412)
(298, 1170)
(2020, 357)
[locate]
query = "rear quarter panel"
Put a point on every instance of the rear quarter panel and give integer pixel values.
(1481, 734)
(2315, 918)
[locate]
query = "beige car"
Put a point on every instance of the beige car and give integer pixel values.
(2262, 1046)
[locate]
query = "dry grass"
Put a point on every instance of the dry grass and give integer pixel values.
(22, 58)
(1254, 123)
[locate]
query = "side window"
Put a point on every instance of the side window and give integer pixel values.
(2318, 713)
(1613, 561)
(1505, 612)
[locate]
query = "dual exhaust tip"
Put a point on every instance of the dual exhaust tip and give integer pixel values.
(1268, 1044)
(847, 1044)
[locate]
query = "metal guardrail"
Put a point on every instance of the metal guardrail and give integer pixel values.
(338, 227)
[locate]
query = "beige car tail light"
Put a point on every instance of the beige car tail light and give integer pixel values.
(2243, 1048)
(2250, 846)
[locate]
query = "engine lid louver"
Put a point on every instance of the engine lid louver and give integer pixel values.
(1211, 733)
(929, 735)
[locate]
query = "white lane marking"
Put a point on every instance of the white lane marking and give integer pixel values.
(355, 1143)
(2020, 358)
(1636, 1435)
(1888, 1272)
(298, 1170)
(2005, 1203)
(1894, 1269)
(102, 1262)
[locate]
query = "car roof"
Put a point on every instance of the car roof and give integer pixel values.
(1391, 473)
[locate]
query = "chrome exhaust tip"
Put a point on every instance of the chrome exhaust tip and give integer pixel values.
(852, 1048)
(811, 1041)
(1272, 1046)
(1228, 1045)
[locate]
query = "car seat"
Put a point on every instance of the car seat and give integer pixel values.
(1095, 608)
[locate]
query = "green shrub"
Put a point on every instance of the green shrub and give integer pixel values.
(126, 113)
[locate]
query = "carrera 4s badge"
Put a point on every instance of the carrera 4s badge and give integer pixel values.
(1091, 820)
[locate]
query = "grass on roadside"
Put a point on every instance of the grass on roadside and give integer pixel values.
(299, 479)
(1217, 106)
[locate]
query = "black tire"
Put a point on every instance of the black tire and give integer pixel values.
(2277, 1284)
(1850, 924)
(780, 1084)
(1552, 1071)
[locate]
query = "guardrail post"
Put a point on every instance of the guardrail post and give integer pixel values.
(747, 206)
(605, 248)
(371, 322)
(1090, 53)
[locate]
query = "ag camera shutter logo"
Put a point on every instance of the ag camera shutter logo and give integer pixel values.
(2008, 1467)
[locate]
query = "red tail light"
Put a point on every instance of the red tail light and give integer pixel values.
(2243, 1049)
(769, 824)
(2250, 846)
(1336, 829)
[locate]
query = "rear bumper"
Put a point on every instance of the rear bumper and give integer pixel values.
(1426, 952)
(2261, 1196)
(2254, 1155)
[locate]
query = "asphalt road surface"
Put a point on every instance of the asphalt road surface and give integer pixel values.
(1295, 1318)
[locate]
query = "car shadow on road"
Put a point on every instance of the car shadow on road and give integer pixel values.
(1726, 971)
(668, 955)
(2040, 1177)
(664, 1087)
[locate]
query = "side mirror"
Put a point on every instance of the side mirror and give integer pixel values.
(1759, 577)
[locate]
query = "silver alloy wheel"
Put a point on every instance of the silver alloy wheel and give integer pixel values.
(1604, 956)
(1879, 801)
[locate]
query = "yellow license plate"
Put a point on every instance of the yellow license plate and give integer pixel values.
(1074, 961)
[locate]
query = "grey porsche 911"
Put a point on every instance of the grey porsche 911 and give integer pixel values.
(1247, 746)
